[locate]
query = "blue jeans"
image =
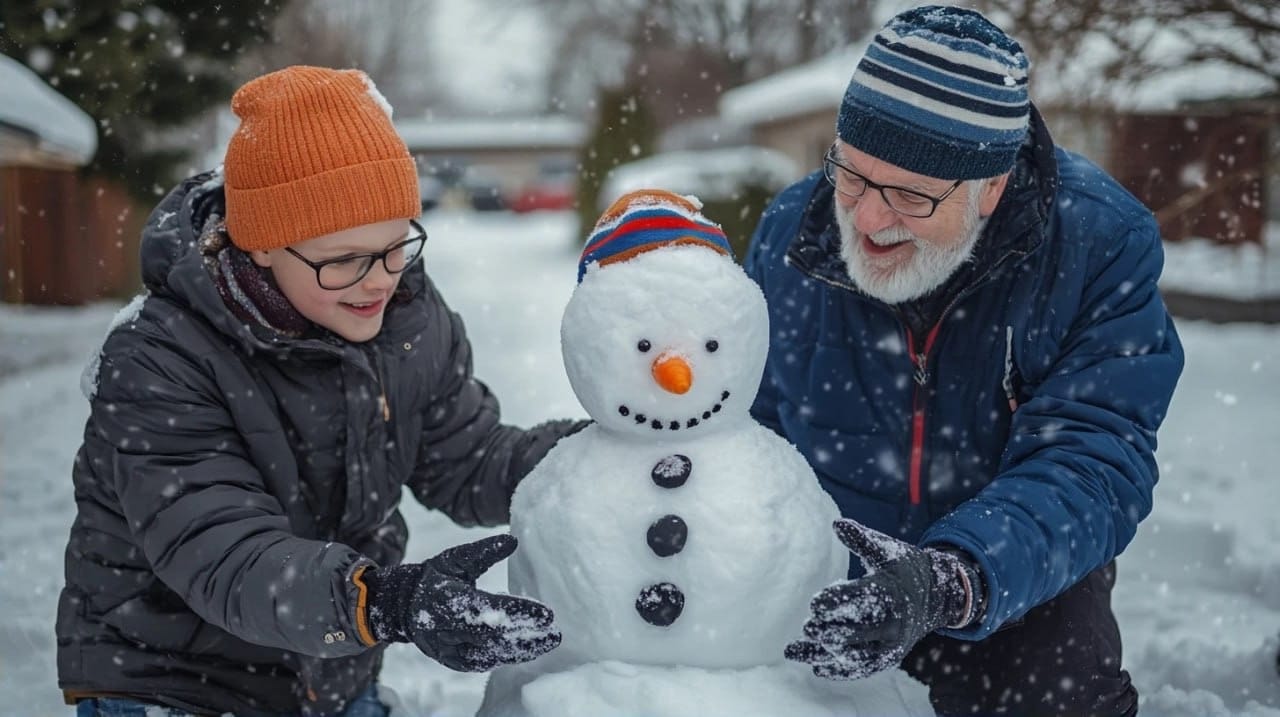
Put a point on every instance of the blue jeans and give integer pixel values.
(366, 705)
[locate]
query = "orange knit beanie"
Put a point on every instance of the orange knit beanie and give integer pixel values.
(315, 153)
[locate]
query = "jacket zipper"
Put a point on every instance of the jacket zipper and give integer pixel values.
(383, 403)
(920, 367)
(919, 398)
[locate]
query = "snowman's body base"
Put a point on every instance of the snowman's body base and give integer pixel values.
(604, 689)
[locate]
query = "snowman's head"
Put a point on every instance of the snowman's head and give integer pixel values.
(665, 336)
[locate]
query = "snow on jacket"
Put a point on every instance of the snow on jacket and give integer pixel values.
(231, 481)
(1022, 426)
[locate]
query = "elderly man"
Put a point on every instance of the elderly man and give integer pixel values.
(969, 347)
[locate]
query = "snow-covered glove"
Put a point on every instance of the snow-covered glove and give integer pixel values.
(860, 627)
(436, 606)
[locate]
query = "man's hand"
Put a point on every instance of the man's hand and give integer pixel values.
(860, 627)
(436, 606)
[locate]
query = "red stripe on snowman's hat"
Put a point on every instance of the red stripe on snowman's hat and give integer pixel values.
(648, 219)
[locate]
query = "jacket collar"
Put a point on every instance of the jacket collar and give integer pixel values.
(1017, 226)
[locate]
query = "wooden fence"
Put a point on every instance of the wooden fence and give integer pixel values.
(66, 239)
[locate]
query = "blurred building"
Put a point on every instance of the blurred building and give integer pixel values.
(62, 237)
(492, 163)
(794, 111)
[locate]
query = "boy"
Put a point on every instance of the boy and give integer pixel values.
(291, 367)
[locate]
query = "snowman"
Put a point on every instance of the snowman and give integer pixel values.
(677, 540)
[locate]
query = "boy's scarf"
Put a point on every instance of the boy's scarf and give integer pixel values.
(246, 288)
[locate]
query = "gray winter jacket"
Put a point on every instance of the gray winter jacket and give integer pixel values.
(232, 480)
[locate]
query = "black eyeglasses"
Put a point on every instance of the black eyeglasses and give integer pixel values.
(906, 202)
(346, 271)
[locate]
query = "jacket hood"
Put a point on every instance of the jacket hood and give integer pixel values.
(173, 267)
(175, 224)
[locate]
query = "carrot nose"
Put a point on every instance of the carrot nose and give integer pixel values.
(672, 373)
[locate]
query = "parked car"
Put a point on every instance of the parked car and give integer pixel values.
(430, 191)
(545, 194)
(482, 189)
(710, 174)
(555, 188)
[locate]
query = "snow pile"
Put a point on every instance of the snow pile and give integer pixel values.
(613, 689)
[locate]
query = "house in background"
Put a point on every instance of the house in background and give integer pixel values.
(63, 239)
(493, 163)
(1197, 141)
(794, 111)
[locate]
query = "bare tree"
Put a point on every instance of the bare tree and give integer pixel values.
(1242, 33)
(725, 43)
(1124, 43)
(385, 39)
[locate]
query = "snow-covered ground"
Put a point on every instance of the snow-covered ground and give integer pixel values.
(1198, 594)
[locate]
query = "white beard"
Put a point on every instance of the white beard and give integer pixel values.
(926, 270)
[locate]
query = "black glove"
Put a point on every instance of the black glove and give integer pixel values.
(860, 627)
(436, 606)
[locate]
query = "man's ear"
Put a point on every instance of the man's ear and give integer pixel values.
(992, 190)
(261, 258)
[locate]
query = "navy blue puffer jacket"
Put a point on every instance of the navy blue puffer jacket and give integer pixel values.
(1022, 426)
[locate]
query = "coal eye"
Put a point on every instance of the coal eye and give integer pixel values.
(712, 345)
(644, 346)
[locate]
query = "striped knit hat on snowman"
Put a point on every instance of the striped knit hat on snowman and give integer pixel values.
(648, 219)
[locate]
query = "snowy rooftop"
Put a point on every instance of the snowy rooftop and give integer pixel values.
(814, 86)
(63, 131)
(487, 132)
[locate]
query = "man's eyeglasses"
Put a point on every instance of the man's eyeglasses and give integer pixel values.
(346, 271)
(906, 202)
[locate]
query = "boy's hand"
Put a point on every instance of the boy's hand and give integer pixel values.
(436, 606)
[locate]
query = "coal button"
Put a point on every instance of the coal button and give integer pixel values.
(667, 535)
(660, 604)
(672, 471)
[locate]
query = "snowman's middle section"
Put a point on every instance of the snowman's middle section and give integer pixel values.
(696, 552)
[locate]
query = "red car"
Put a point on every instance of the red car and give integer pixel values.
(544, 195)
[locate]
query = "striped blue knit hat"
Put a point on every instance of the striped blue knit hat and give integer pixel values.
(940, 92)
(648, 219)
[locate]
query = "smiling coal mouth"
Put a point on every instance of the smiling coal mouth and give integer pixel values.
(659, 424)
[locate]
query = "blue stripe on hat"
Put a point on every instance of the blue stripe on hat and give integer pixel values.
(996, 93)
(975, 73)
(954, 131)
(943, 95)
(635, 239)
